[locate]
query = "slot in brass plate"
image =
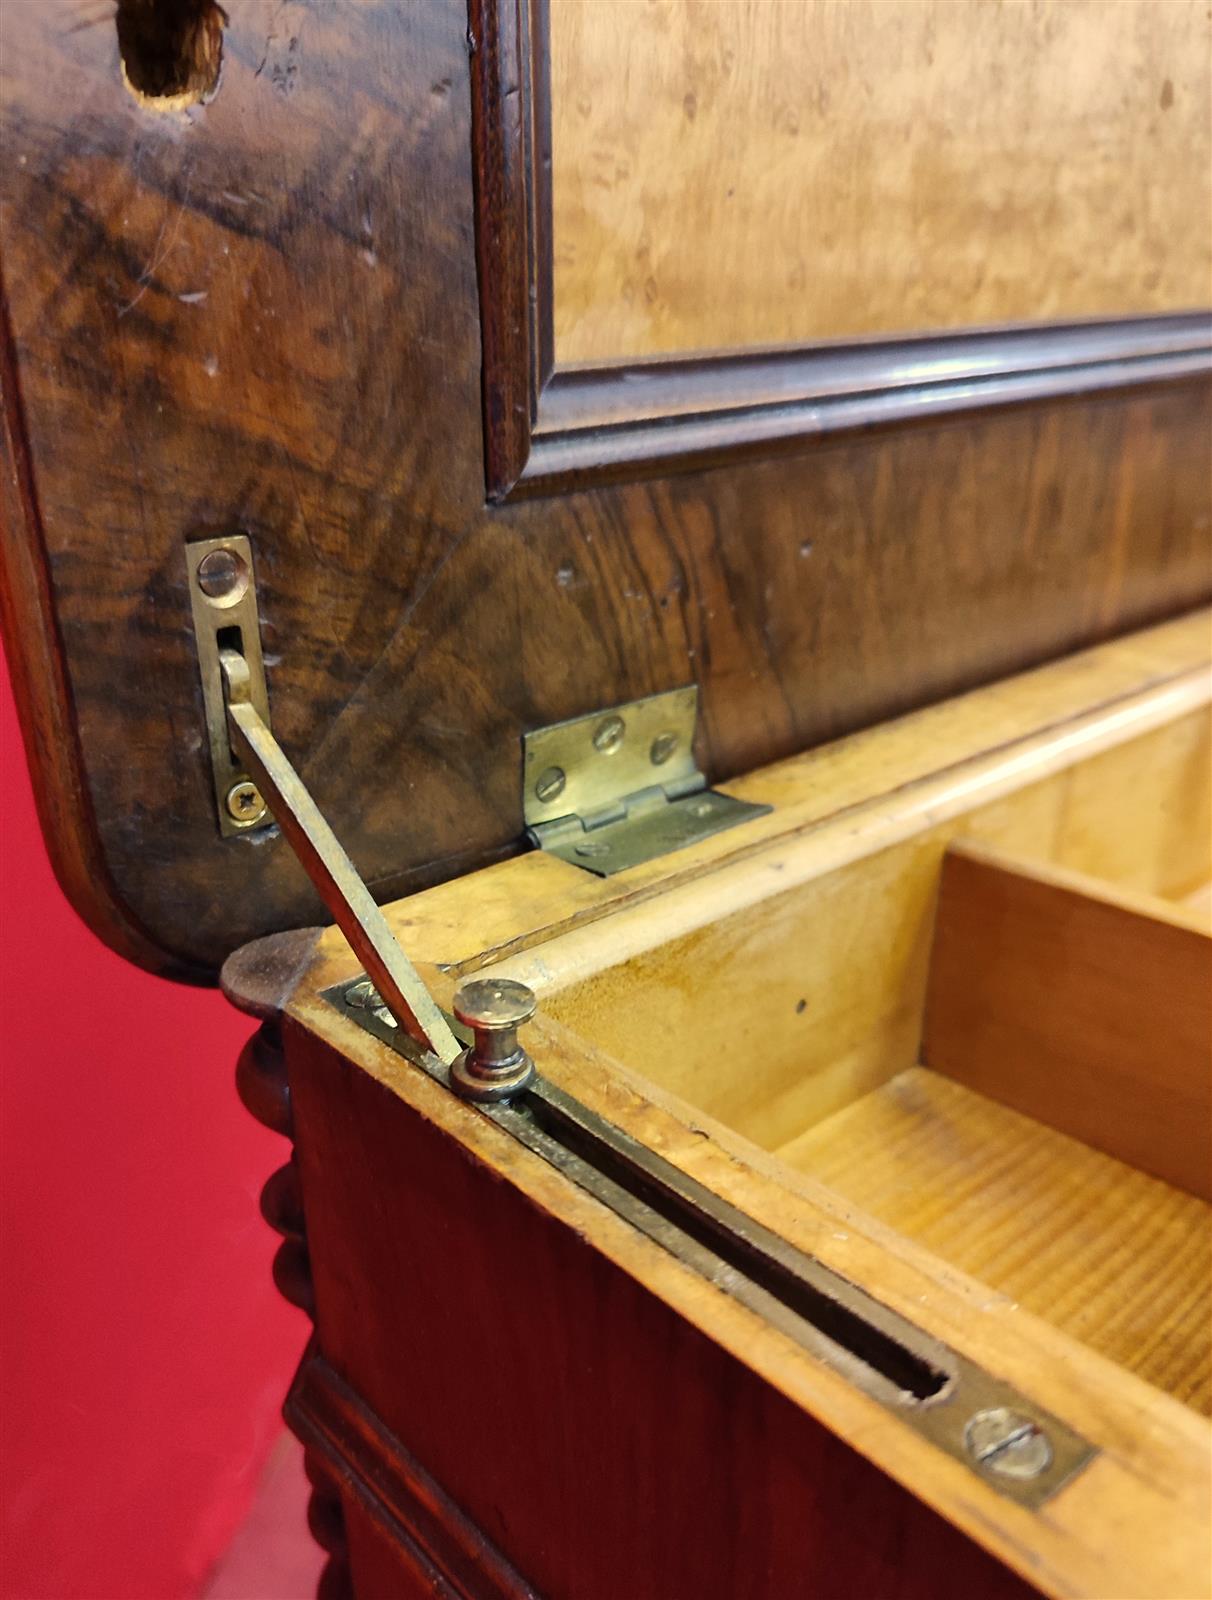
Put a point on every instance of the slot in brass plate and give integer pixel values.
(1000, 1434)
(223, 597)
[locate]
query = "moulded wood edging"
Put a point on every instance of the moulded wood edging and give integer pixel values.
(500, 35)
(393, 1488)
(548, 429)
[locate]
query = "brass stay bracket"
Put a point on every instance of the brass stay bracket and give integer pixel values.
(604, 792)
(330, 869)
(249, 762)
(224, 600)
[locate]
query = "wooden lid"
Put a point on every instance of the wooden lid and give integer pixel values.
(297, 313)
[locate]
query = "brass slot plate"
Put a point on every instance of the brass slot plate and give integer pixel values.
(231, 603)
(1014, 1445)
(620, 787)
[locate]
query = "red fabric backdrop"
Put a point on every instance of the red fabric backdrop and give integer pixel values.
(144, 1354)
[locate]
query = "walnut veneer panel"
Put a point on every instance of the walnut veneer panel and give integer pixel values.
(1117, 1259)
(744, 172)
(262, 314)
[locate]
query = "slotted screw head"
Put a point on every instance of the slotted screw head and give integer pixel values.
(608, 735)
(222, 575)
(244, 802)
(1008, 1443)
(363, 995)
(550, 784)
(663, 747)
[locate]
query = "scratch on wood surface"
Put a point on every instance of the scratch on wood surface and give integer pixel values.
(160, 251)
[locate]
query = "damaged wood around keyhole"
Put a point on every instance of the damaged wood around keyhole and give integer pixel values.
(172, 50)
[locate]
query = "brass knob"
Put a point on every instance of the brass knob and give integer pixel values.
(495, 1067)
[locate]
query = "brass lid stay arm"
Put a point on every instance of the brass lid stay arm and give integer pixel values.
(330, 869)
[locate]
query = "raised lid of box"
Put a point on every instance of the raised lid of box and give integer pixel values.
(298, 311)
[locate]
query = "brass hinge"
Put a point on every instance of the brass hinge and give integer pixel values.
(620, 787)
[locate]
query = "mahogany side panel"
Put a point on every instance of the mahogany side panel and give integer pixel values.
(600, 1442)
(262, 314)
(385, 1565)
(405, 1535)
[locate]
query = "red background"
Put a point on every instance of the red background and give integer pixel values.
(144, 1354)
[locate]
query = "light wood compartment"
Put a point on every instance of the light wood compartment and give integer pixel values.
(991, 1034)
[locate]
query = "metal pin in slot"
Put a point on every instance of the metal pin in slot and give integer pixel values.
(495, 1067)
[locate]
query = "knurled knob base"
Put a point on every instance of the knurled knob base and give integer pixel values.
(502, 1083)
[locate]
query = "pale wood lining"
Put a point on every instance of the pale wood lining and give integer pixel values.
(1152, 1469)
(775, 1007)
(1086, 1007)
(1112, 1257)
(1199, 903)
(1124, 687)
(799, 855)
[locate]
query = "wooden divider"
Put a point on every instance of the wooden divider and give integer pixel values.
(1082, 1005)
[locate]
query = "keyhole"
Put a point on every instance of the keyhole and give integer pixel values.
(171, 50)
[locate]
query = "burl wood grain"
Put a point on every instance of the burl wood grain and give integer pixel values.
(748, 172)
(260, 314)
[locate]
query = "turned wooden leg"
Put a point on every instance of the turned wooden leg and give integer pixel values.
(258, 980)
(326, 1520)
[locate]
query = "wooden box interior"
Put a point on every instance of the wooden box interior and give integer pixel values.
(990, 1034)
(939, 1020)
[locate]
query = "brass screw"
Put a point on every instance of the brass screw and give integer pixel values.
(244, 802)
(496, 1066)
(363, 995)
(550, 785)
(608, 735)
(222, 576)
(1008, 1443)
(663, 747)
